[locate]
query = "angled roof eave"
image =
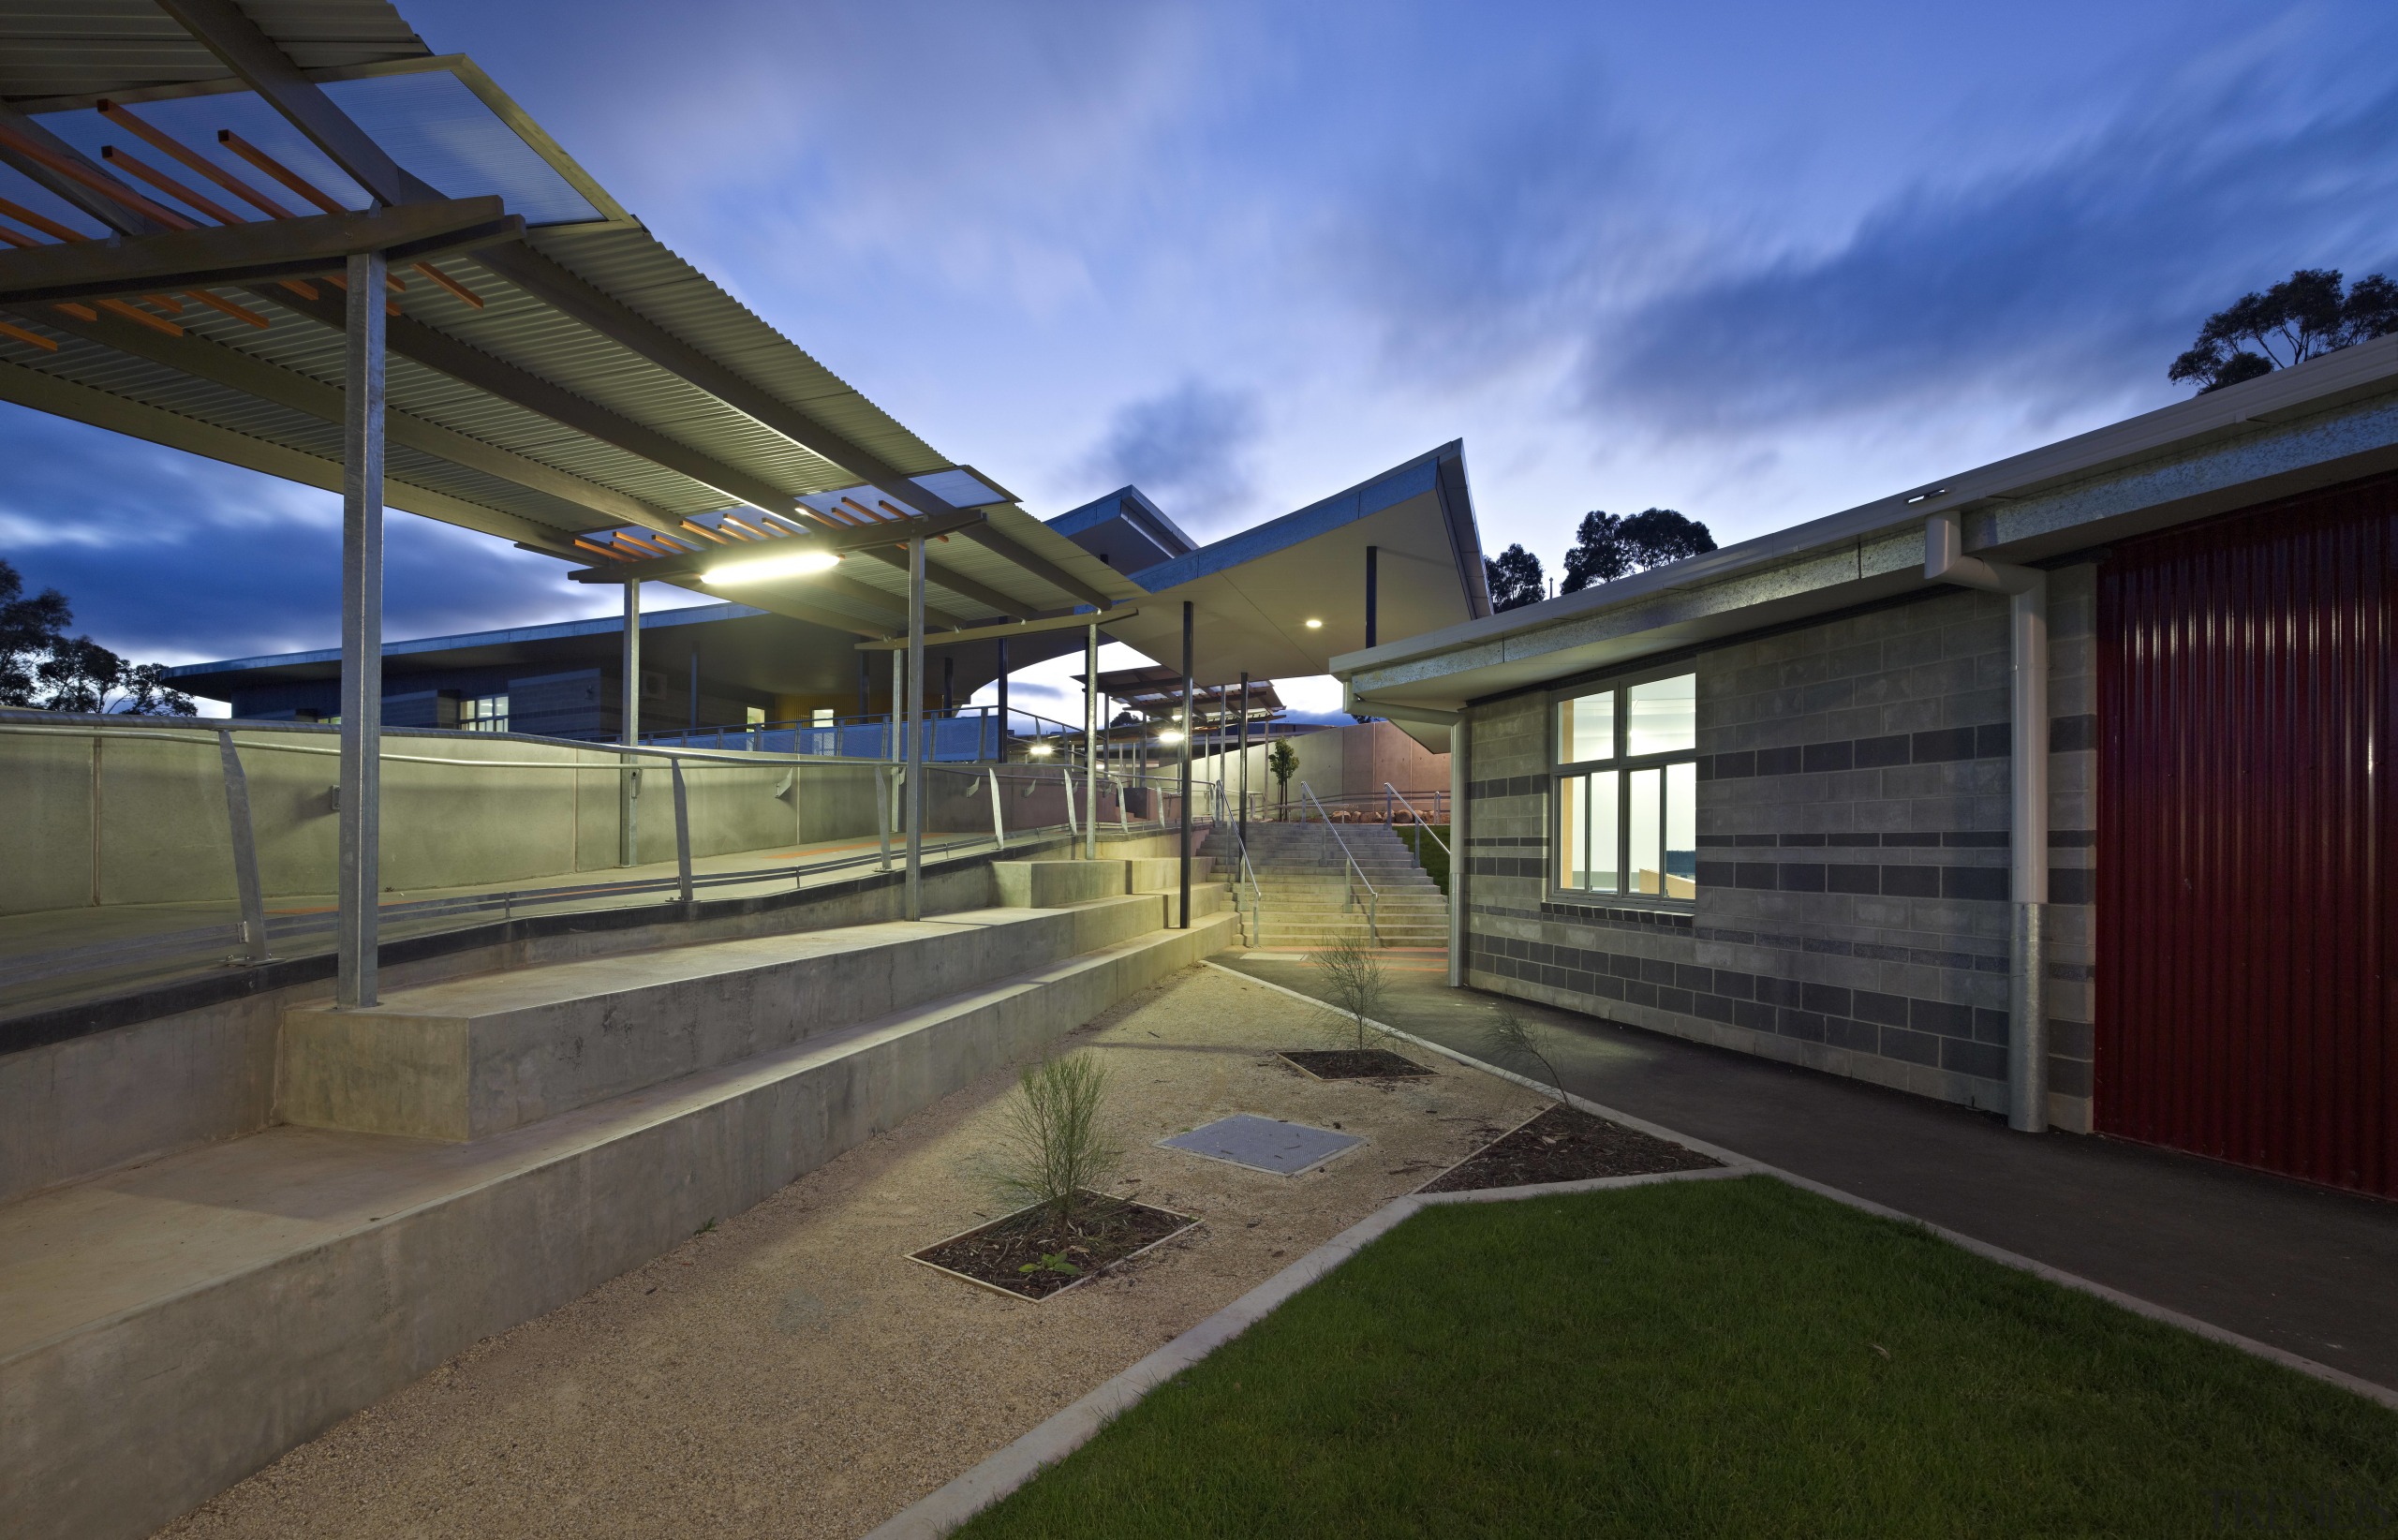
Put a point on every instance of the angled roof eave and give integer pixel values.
(2330, 418)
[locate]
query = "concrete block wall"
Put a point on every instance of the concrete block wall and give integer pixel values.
(1853, 823)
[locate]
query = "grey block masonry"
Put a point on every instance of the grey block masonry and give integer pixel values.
(1852, 911)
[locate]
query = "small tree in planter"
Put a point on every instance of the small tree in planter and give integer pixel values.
(1057, 1152)
(1354, 985)
(1284, 761)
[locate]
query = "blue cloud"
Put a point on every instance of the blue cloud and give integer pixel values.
(2076, 279)
(1188, 448)
(166, 555)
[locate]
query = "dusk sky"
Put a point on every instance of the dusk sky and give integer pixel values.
(1756, 262)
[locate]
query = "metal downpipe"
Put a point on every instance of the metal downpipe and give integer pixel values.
(2027, 617)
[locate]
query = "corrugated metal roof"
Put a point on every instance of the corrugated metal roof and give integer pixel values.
(58, 59)
(56, 52)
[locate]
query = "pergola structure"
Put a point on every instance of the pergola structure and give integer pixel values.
(284, 234)
(287, 236)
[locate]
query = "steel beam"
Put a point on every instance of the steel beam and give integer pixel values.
(437, 350)
(675, 569)
(1002, 631)
(234, 369)
(1041, 567)
(220, 255)
(963, 586)
(357, 939)
(221, 28)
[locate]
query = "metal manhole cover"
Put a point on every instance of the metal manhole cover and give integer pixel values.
(1262, 1144)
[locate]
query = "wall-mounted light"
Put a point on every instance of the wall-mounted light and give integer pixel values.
(1170, 736)
(1039, 751)
(1315, 625)
(767, 568)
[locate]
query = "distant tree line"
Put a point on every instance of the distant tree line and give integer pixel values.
(44, 668)
(2313, 313)
(1605, 547)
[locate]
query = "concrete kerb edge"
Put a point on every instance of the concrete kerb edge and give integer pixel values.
(948, 1506)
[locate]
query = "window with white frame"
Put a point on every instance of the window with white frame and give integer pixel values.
(1626, 774)
(484, 713)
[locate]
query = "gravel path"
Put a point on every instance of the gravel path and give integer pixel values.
(790, 1374)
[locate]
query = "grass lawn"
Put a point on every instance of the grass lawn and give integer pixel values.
(1728, 1357)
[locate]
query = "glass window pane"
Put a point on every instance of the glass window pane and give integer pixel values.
(1662, 717)
(1573, 830)
(1586, 728)
(1603, 874)
(1643, 852)
(1682, 831)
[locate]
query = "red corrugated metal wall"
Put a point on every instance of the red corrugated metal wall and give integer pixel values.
(2244, 1006)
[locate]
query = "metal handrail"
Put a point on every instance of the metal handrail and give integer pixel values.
(1223, 820)
(1348, 895)
(1389, 791)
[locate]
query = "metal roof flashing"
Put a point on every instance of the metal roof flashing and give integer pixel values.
(2330, 418)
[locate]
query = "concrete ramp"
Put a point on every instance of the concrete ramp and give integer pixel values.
(172, 1327)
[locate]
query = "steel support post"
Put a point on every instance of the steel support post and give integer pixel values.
(1000, 750)
(357, 941)
(629, 724)
(1091, 744)
(1189, 729)
(1243, 759)
(916, 728)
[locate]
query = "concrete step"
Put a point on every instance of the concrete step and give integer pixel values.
(214, 1309)
(470, 1058)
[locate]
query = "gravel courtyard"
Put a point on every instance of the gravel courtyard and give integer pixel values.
(791, 1373)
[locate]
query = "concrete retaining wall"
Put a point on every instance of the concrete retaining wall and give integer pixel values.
(234, 1374)
(102, 1100)
(477, 1057)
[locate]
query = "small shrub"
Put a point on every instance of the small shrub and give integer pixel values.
(1354, 985)
(1523, 1046)
(1057, 1151)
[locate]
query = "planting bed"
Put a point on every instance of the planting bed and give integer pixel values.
(1566, 1145)
(1356, 1064)
(1033, 1253)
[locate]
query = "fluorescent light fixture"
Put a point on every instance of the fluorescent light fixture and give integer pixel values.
(1926, 497)
(1315, 625)
(1040, 751)
(1170, 736)
(767, 568)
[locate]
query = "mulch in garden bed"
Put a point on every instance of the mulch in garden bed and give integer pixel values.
(1566, 1145)
(1356, 1064)
(1059, 1254)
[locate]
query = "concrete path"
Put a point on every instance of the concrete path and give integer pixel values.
(2302, 1267)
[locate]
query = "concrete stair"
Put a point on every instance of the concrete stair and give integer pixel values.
(487, 1149)
(1307, 895)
